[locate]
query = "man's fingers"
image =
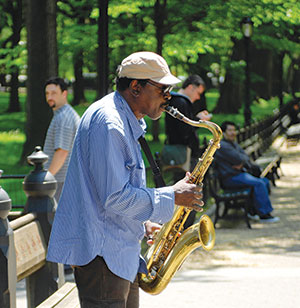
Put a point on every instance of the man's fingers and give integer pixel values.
(197, 206)
(198, 195)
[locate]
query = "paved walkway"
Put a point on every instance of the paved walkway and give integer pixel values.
(247, 268)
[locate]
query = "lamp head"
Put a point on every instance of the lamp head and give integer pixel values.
(247, 26)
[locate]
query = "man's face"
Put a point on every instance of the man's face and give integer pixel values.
(196, 92)
(55, 97)
(230, 133)
(153, 100)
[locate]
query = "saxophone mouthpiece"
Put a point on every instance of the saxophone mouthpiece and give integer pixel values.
(173, 112)
(167, 107)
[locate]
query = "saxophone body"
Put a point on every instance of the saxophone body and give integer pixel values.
(172, 245)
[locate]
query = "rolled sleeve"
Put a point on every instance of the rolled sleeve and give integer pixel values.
(64, 136)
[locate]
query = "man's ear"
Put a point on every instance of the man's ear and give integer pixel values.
(135, 88)
(65, 93)
(202, 88)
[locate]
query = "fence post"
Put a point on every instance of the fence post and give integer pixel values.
(40, 186)
(8, 275)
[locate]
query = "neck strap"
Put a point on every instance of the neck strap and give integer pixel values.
(158, 179)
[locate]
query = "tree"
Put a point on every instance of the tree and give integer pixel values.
(13, 10)
(42, 64)
(102, 54)
(231, 91)
(194, 37)
(276, 27)
(160, 15)
(78, 14)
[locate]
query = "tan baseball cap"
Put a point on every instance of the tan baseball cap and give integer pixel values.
(147, 65)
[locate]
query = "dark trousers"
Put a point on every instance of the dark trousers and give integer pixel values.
(99, 287)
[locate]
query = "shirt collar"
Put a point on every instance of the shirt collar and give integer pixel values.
(57, 111)
(182, 95)
(138, 127)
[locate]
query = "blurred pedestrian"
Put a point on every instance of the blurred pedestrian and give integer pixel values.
(61, 132)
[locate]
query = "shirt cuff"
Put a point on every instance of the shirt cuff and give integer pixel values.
(163, 205)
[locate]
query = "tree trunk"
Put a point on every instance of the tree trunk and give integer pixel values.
(102, 59)
(231, 91)
(14, 103)
(295, 82)
(78, 86)
(52, 54)
(279, 89)
(160, 15)
(264, 70)
(231, 94)
(16, 13)
(42, 64)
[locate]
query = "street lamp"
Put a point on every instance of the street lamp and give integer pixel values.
(247, 27)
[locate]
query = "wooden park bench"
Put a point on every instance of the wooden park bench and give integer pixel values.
(27, 256)
(293, 134)
(237, 199)
(23, 241)
(258, 147)
(27, 260)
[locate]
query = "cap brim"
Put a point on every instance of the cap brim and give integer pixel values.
(168, 80)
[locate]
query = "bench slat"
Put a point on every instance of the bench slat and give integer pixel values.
(70, 301)
(58, 299)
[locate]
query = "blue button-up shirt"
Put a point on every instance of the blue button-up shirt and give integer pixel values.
(105, 201)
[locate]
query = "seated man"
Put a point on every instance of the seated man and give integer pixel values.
(234, 164)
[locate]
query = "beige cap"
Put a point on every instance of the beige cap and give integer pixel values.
(147, 65)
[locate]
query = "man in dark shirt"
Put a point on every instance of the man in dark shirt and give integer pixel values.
(179, 132)
(233, 165)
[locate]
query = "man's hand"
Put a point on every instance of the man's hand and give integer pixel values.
(151, 228)
(188, 195)
(238, 167)
(204, 115)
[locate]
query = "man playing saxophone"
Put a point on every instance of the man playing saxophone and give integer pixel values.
(105, 207)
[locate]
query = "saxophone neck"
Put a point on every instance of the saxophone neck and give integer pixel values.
(211, 126)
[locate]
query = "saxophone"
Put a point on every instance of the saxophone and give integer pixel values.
(172, 245)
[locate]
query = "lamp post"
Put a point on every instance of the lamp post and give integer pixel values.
(247, 26)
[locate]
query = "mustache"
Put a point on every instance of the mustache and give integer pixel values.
(165, 104)
(54, 104)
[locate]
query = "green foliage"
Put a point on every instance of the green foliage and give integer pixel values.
(190, 28)
(10, 56)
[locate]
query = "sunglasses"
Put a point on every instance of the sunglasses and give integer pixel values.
(165, 90)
